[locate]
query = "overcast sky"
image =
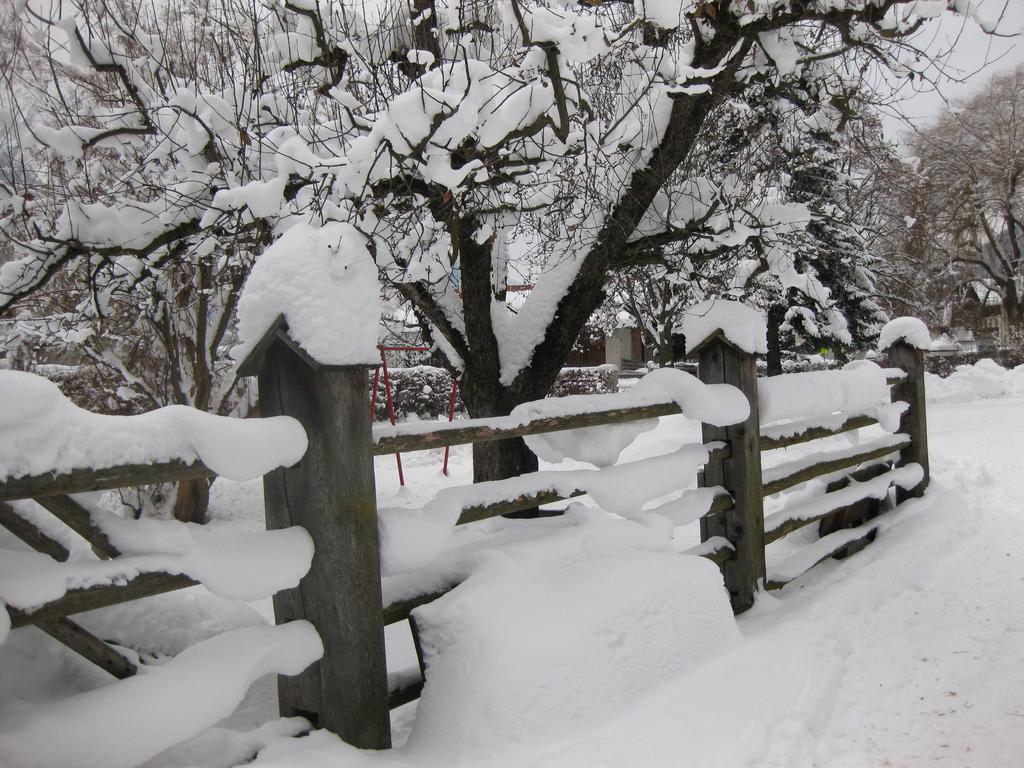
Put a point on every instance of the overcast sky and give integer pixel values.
(972, 50)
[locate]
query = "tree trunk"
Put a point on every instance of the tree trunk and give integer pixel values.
(665, 351)
(1012, 312)
(502, 458)
(774, 357)
(192, 500)
(499, 459)
(484, 397)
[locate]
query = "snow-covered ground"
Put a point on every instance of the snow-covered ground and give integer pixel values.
(907, 654)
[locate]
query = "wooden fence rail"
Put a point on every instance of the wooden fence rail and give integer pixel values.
(331, 492)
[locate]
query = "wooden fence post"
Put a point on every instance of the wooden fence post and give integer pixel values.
(914, 420)
(721, 362)
(331, 493)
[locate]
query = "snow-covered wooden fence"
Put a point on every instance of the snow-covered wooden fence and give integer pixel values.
(331, 492)
(82, 557)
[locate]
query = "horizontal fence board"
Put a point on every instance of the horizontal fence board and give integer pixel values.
(470, 431)
(795, 524)
(479, 431)
(108, 478)
(78, 600)
(479, 512)
(816, 433)
(405, 694)
(399, 610)
(526, 501)
(830, 465)
(850, 539)
(778, 525)
(717, 549)
(721, 503)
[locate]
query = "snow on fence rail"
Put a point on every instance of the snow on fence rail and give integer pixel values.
(50, 449)
(331, 493)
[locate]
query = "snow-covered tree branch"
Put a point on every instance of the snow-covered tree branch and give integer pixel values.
(448, 133)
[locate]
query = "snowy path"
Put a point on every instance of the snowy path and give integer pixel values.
(936, 669)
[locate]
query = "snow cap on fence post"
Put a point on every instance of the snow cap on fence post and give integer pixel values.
(322, 282)
(909, 330)
(308, 321)
(739, 324)
(905, 340)
(725, 336)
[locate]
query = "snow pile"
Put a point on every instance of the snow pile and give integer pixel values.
(906, 329)
(984, 380)
(562, 631)
(128, 722)
(858, 388)
(718, 404)
(324, 282)
(744, 326)
(42, 431)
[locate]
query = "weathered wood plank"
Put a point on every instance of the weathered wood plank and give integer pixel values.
(827, 466)
(78, 600)
(527, 501)
(331, 493)
(913, 421)
(31, 535)
(742, 524)
(846, 548)
(86, 480)
(860, 511)
(841, 513)
(718, 555)
(87, 645)
(472, 431)
(405, 694)
(400, 609)
(479, 512)
(77, 518)
(816, 433)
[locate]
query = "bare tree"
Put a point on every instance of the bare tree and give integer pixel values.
(966, 206)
